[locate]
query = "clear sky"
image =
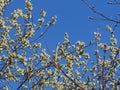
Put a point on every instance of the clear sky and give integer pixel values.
(72, 17)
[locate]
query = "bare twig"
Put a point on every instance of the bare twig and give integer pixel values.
(99, 13)
(42, 34)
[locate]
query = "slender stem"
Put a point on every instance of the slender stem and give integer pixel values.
(99, 13)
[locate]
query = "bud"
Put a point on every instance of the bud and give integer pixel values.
(108, 28)
(43, 13)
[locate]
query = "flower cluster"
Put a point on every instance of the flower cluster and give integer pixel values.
(17, 13)
(20, 55)
(3, 3)
(29, 9)
(24, 61)
(28, 5)
(1, 22)
(97, 35)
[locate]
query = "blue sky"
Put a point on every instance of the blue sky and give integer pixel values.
(72, 18)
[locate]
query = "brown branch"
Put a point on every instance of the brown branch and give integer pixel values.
(40, 35)
(99, 13)
(115, 2)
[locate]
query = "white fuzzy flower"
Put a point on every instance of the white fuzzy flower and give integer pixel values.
(41, 20)
(43, 13)
(5, 88)
(108, 28)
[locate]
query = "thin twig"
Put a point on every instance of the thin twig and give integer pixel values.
(40, 35)
(99, 13)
